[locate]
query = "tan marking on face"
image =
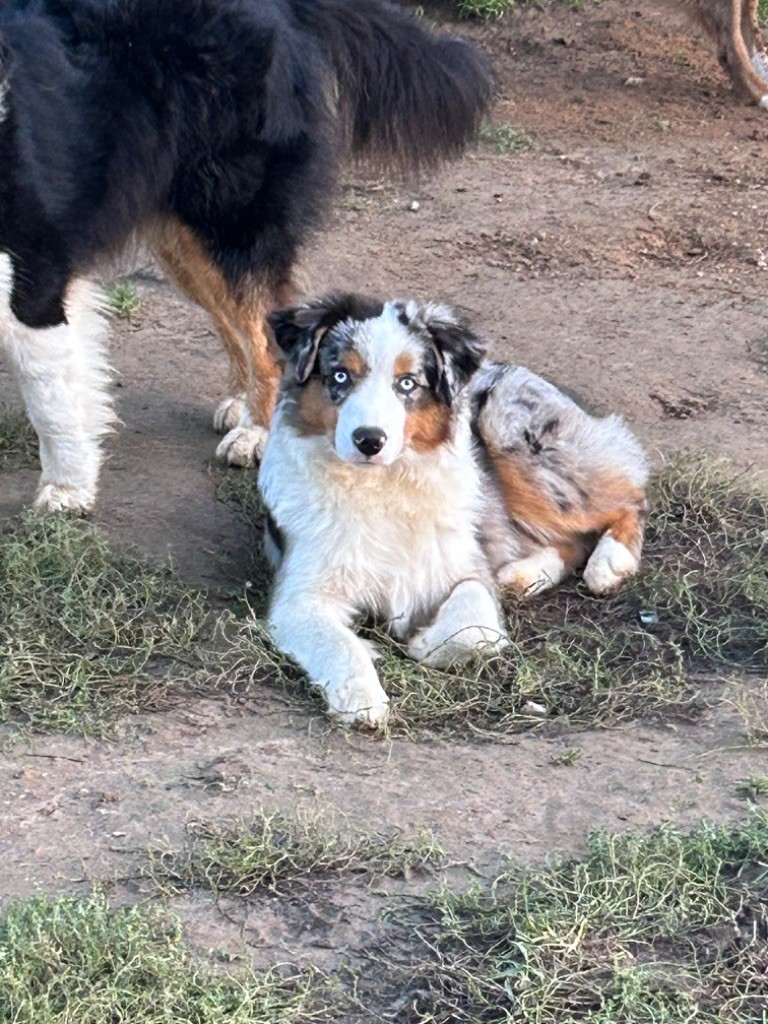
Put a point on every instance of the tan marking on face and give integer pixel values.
(428, 427)
(317, 415)
(353, 362)
(405, 363)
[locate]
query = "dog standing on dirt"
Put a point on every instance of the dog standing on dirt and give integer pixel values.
(214, 131)
(407, 480)
(733, 24)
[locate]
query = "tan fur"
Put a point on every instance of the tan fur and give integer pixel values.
(316, 414)
(405, 363)
(428, 427)
(616, 507)
(239, 319)
(734, 27)
(353, 362)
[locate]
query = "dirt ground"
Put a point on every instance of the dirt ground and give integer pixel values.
(625, 255)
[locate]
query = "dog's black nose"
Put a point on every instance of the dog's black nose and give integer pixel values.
(369, 440)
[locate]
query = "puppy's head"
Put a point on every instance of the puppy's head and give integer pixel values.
(376, 378)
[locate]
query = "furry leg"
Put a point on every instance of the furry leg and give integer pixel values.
(467, 623)
(617, 555)
(63, 379)
(536, 573)
(315, 633)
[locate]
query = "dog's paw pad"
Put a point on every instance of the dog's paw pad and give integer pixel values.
(228, 414)
(242, 446)
(610, 564)
(64, 498)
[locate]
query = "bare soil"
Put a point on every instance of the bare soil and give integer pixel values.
(624, 255)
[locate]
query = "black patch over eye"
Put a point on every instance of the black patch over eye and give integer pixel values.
(406, 385)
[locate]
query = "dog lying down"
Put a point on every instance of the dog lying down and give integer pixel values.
(409, 480)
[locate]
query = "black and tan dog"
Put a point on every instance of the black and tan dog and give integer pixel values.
(214, 130)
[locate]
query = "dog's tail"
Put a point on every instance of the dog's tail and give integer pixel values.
(408, 97)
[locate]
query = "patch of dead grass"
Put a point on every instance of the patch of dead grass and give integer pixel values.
(663, 928)
(274, 850)
(65, 960)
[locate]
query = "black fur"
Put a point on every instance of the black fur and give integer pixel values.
(300, 330)
(230, 116)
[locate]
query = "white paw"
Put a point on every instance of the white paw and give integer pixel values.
(533, 575)
(228, 414)
(242, 446)
(64, 498)
(764, 102)
(609, 565)
(358, 702)
(435, 651)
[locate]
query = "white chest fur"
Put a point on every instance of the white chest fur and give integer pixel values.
(390, 540)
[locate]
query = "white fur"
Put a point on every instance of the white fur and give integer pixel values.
(764, 102)
(375, 403)
(393, 541)
(535, 574)
(244, 444)
(228, 413)
(63, 377)
(4, 109)
(609, 565)
(467, 623)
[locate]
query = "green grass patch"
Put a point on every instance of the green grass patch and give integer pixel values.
(504, 138)
(123, 301)
(77, 961)
(271, 851)
(762, 11)
(86, 633)
(753, 787)
(492, 10)
(18, 441)
(664, 928)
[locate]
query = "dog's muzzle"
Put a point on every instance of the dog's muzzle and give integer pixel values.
(369, 440)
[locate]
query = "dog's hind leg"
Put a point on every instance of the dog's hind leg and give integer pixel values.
(240, 319)
(63, 378)
(468, 623)
(617, 554)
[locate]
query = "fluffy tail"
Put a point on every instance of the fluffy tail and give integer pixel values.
(407, 96)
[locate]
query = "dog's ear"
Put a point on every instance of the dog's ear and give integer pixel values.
(457, 350)
(299, 331)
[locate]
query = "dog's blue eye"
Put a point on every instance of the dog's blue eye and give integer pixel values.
(406, 385)
(340, 377)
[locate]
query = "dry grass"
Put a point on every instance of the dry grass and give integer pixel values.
(77, 961)
(657, 929)
(274, 850)
(86, 633)
(698, 608)
(18, 441)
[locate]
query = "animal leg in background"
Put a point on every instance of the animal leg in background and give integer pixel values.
(254, 374)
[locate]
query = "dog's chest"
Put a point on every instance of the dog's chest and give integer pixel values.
(391, 541)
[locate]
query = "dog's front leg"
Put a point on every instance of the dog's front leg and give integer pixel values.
(314, 630)
(63, 379)
(467, 623)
